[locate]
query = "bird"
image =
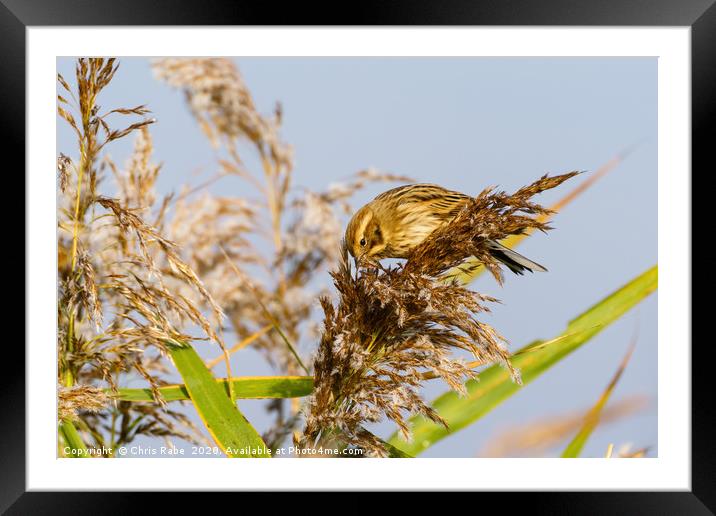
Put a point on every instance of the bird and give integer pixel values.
(400, 219)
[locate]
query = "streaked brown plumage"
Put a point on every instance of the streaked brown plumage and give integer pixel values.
(398, 220)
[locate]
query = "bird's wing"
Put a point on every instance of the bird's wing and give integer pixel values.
(439, 201)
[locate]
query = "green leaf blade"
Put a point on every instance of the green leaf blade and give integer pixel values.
(495, 384)
(245, 387)
(226, 424)
(591, 421)
(73, 440)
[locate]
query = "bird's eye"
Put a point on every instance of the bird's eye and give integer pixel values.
(362, 242)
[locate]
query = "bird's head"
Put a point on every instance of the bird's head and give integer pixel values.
(364, 236)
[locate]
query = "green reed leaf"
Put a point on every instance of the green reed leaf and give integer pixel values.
(245, 387)
(226, 424)
(495, 384)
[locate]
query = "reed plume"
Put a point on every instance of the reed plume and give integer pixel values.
(119, 277)
(303, 229)
(392, 325)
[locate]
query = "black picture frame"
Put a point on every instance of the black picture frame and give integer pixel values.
(700, 15)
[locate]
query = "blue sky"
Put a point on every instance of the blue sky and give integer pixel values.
(468, 123)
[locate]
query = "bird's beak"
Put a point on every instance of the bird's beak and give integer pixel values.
(363, 260)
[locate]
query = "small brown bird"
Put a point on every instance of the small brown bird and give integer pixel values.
(397, 220)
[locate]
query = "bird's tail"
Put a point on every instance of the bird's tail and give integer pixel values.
(513, 260)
